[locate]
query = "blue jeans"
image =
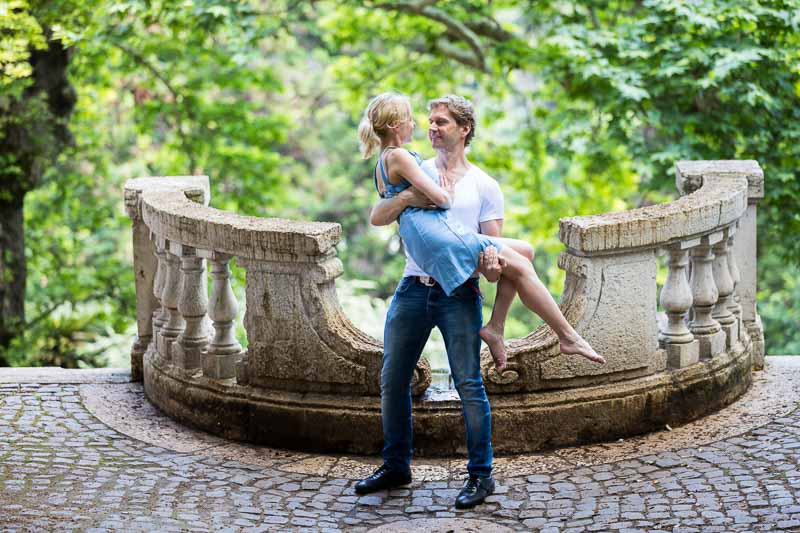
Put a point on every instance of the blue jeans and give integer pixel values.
(413, 313)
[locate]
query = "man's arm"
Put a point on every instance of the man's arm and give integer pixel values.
(388, 210)
(492, 228)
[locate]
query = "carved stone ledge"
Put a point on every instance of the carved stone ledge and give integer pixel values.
(720, 202)
(690, 175)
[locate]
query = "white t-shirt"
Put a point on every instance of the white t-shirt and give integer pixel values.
(478, 198)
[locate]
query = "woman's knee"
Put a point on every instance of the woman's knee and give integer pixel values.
(517, 265)
(527, 251)
(523, 248)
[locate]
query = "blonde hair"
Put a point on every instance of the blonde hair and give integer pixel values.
(383, 111)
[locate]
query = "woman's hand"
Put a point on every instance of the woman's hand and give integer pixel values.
(448, 183)
(413, 197)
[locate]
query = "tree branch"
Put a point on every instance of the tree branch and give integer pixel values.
(176, 97)
(456, 28)
(488, 27)
(447, 49)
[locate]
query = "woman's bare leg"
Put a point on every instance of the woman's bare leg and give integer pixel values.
(537, 298)
(493, 333)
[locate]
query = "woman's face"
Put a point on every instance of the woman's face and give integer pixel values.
(406, 129)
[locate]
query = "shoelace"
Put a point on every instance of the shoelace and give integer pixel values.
(379, 472)
(472, 484)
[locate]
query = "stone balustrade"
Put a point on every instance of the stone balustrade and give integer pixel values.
(310, 379)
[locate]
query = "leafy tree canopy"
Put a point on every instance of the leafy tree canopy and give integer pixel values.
(583, 108)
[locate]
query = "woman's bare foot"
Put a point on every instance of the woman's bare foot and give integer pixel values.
(497, 346)
(578, 346)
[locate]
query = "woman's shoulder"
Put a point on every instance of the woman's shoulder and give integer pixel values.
(397, 152)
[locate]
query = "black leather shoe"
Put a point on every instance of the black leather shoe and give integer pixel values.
(474, 492)
(383, 478)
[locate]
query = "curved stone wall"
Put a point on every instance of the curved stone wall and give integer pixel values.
(309, 379)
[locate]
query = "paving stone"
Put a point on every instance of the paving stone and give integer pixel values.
(60, 468)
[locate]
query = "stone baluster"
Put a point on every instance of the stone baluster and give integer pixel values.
(733, 304)
(676, 299)
(192, 304)
(159, 315)
(724, 282)
(224, 351)
(706, 330)
(172, 287)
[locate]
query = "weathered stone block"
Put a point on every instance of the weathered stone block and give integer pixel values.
(217, 366)
(731, 334)
(683, 355)
(187, 357)
(166, 347)
(243, 370)
(711, 345)
(621, 293)
(756, 332)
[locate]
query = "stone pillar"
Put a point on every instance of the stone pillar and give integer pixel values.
(144, 268)
(704, 291)
(172, 286)
(224, 352)
(192, 304)
(676, 299)
(724, 283)
(745, 251)
(160, 314)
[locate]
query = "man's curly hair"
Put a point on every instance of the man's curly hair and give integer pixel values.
(461, 109)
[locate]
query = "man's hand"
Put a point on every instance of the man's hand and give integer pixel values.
(490, 264)
(412, 197)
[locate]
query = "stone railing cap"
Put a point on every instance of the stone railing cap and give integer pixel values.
(717, 203)
(689, 174)
(171, 215)
(196, 187)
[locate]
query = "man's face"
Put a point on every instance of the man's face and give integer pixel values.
(443, 131)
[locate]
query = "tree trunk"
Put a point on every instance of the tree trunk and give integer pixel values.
(31, 138)
(12, 274)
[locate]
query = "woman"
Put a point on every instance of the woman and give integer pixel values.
(441, 246)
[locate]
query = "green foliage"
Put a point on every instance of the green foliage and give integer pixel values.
(778, 300)
(201, 85)
(717, 80)
(601, 99)
(21, 33)
(583, 108)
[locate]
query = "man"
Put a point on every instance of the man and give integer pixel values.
(419, 304)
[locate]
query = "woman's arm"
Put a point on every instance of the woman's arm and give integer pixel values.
(388, 210)
(407, 167)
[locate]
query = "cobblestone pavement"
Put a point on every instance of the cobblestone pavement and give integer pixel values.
(62, 469)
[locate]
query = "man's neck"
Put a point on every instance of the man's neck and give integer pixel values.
(452, 159)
